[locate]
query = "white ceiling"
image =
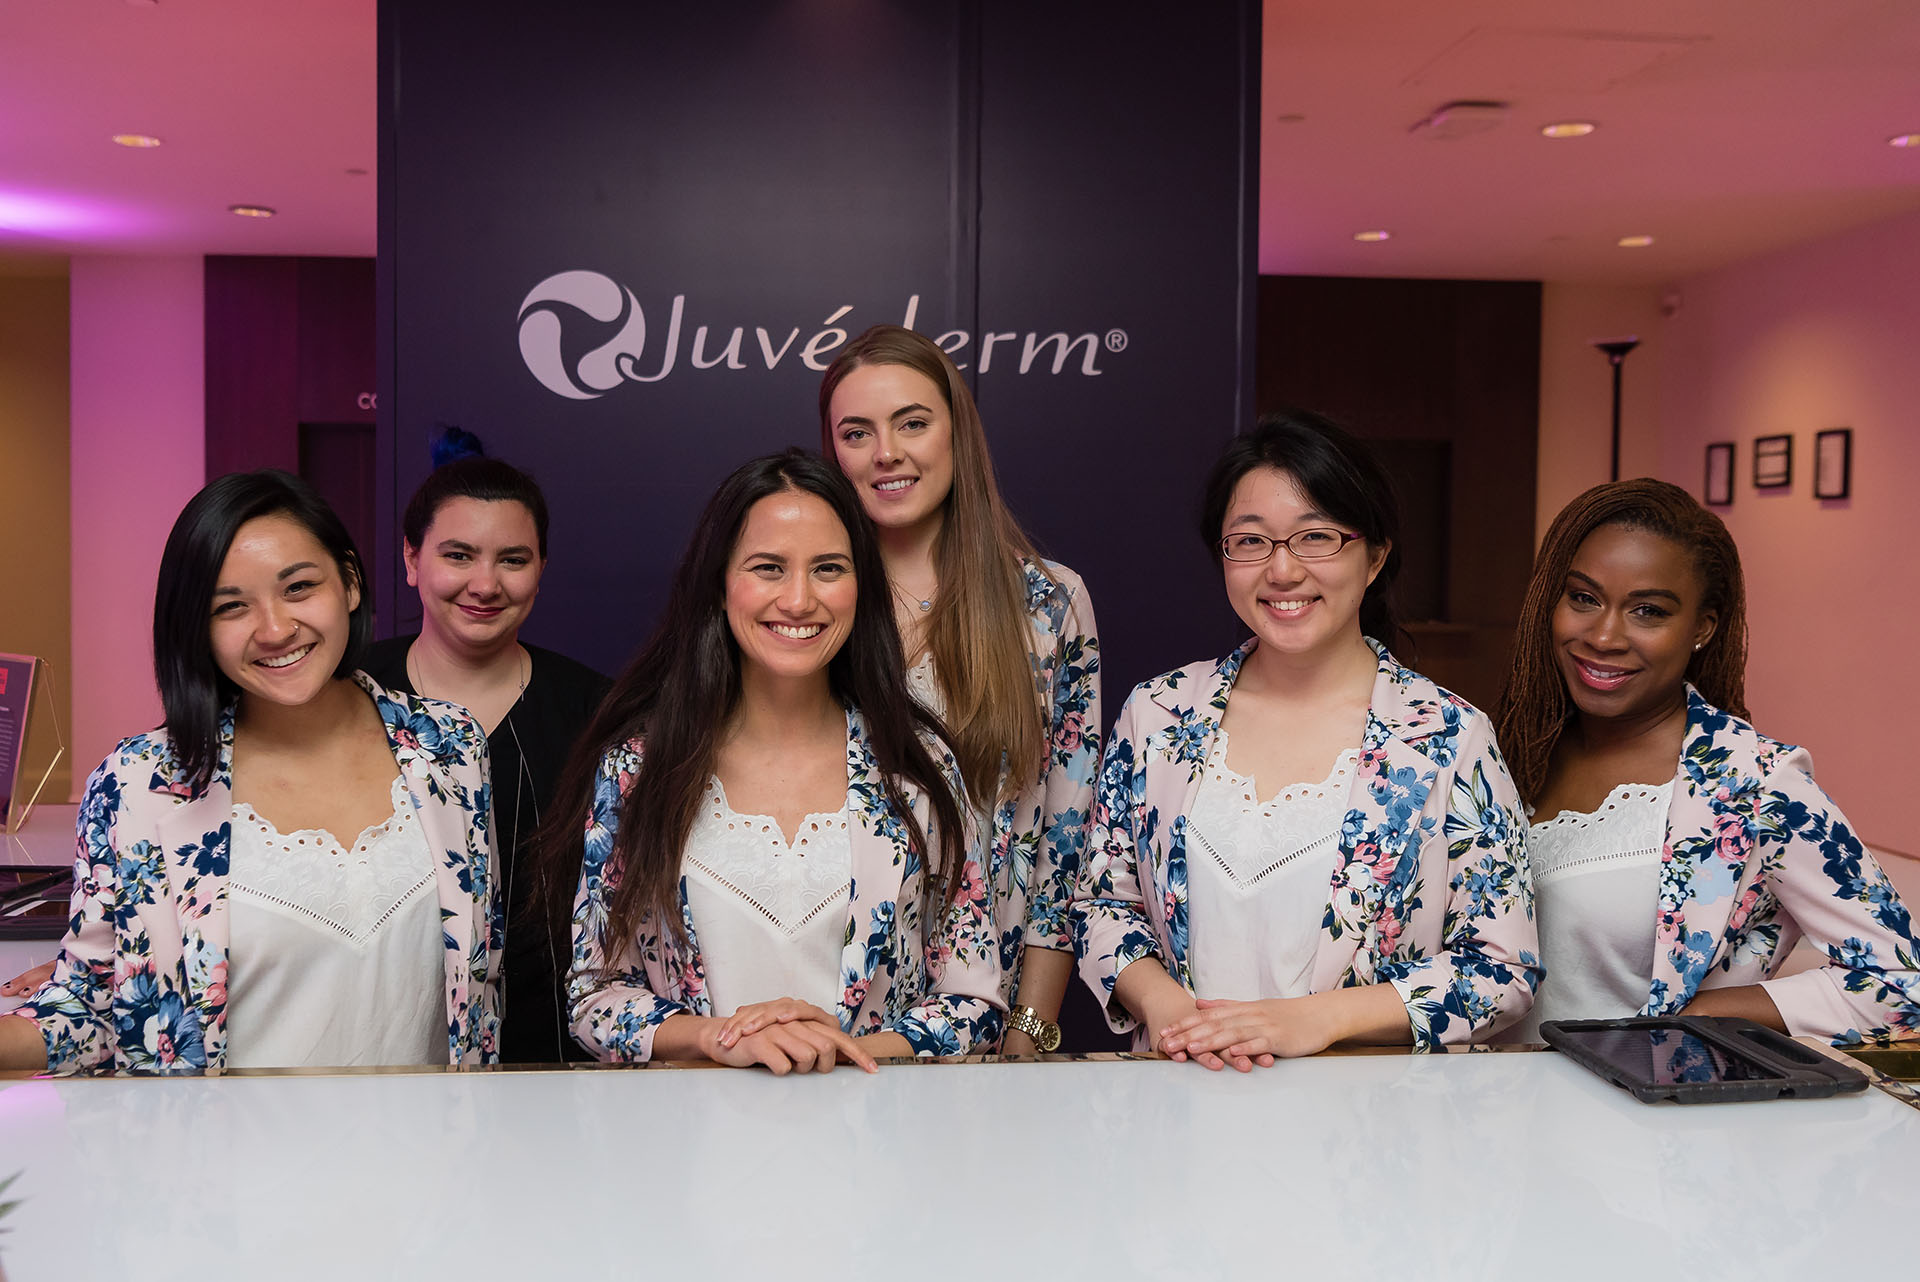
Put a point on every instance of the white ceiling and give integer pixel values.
(265, 102)
(1727, 128)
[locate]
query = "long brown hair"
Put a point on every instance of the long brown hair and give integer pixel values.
(978, 631)
(1535, 707)
(680, 692)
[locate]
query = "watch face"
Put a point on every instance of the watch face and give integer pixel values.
(1049, 1040)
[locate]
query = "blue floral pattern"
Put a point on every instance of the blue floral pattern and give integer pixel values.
(1756, 857)
(1039, 835)
(1432, 892)
(140, 985)
(939, 989)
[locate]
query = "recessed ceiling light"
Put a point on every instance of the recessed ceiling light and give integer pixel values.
(1568, 129)
(252, 211)
(1904, 140)
(136, 140)
(1635, 242)
(1376, 234)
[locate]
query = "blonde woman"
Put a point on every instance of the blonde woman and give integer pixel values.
(1000, 643)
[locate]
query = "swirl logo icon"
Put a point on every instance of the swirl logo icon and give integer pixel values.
(602, 299)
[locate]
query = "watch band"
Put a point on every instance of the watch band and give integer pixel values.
(1045, 1033)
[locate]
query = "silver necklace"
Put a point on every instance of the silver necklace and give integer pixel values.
(925, 603)
(524, 671)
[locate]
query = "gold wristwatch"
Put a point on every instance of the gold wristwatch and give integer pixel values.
(1045, 1034)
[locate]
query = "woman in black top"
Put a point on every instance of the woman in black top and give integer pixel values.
(475, 545)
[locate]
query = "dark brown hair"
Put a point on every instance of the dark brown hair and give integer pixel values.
(1339, 473)
(1535, 706)
(679, 693)
(193, 690)
(978, 632)
(488, 480)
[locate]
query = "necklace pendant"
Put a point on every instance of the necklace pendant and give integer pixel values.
(926, 605)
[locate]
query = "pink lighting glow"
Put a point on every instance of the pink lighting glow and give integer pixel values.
(34, 213)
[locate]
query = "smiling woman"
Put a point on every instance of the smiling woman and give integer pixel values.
(774, 867)
(474, 539)
(1305, 842)
(1680, 854)
(1000, 643)
(295, 869)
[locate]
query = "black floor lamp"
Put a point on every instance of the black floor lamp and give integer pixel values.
(1616, 350)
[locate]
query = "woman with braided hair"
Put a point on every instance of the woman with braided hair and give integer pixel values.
(1678, 854)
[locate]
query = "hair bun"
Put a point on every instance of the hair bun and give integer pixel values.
(451, 443)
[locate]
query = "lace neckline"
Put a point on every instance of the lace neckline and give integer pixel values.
(1620, 796)
(812, 822)
(1343, 765)
(320, 838)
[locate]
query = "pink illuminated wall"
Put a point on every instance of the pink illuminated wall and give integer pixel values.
(1814, 337)
(138, 454)
(1818, 337)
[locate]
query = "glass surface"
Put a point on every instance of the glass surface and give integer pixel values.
(1668, 1056)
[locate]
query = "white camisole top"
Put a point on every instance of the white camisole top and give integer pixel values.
(335, 955)
(1258, 878)
(1596, 886)
(771, 917)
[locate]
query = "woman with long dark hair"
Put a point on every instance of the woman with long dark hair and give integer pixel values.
(775, 868)
(1679, 853)
(225, 913)
(1000, 643)
(1305, 842)
(474, 540)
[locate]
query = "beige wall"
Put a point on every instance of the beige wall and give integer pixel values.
(1576, 390)
(139, 451)
(1814, 337)
(34, 600)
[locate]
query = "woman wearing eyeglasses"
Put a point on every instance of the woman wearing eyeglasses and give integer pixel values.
(1304, 843)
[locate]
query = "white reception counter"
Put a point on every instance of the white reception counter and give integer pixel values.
(1516, 1165)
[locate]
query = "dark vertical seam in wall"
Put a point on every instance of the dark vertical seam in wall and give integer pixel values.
(384, 587)
(963, 235)
(1246, 339)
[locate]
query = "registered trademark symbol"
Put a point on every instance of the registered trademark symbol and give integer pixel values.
(1116, 340)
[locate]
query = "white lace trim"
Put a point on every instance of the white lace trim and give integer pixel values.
(787, 886)
(1248, 839)
(1334, 785)
(351, 894)
(1630, 825)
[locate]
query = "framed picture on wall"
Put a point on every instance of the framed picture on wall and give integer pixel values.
(1833, 463)
(1772, 462)
(1719, 489)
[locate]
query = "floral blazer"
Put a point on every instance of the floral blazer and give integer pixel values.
(1039, 835)
(140, 985)
(1431, 893)
(942, 994)
(1757, 856)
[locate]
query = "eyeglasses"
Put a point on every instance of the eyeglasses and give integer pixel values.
(1308, 545)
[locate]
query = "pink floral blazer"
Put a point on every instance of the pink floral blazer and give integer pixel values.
(1756, 857)
(140, 985)
(1039, 835)
(1431, 893)
(940, 990)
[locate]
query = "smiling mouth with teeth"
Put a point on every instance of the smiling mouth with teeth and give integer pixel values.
(895, 486)
(797, 633)
(286, 660)
(1290, 607)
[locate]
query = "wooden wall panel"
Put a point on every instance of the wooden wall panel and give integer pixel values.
(1433, 362)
